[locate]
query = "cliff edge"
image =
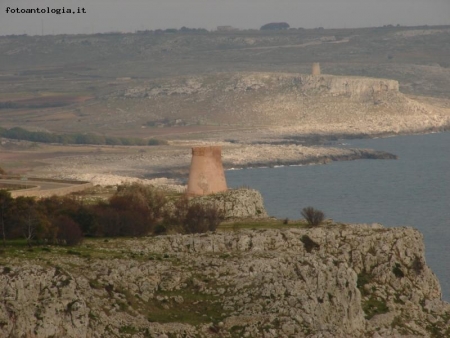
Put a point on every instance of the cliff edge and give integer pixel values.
(331, 281)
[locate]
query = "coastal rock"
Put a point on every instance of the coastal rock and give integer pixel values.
(42, 302)
(357, 280)
(354, 87)
(236, 203)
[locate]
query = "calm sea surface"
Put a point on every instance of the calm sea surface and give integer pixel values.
(413, 190)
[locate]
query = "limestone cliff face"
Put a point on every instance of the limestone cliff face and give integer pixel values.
(331, 281)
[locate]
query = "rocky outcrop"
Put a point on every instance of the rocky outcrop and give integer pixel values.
(331, 281)
(42, 302)
(355, 87)
(236, 203)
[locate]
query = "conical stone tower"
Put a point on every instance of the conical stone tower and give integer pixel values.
(316, 68)
(206, 175)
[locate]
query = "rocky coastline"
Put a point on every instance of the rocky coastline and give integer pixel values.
(355, 154)
(172, 162)
(337, 280)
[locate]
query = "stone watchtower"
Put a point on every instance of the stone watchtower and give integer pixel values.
(316, 68)
(206, 175)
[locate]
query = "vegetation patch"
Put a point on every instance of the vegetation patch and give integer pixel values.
(187, 305)
(398, 271)
(364, 278)
(260, 224)
(128, 329)
(95, 284)
(373, 306)
(437, 330)
(18, 133)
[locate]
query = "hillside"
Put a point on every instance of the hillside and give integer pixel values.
(323, 103)
(311, 104)
(78, 83)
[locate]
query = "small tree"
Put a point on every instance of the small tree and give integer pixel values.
(192, 218)
(69, 232)
(202, 218)
(275, 26)
(30, 218)
(6, 202)
(313, 216)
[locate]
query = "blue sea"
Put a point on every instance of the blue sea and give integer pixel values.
(411, 191)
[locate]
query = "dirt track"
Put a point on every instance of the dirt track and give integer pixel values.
(42, 188)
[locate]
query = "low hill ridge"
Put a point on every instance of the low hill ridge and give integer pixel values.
(324, 103)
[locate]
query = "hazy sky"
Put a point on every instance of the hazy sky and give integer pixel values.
(131, 15)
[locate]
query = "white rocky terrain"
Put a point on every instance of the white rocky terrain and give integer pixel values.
(332, 281)
(112, 169)
(311, 104)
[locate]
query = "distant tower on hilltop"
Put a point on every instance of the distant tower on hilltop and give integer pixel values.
(316, 68)
(206, 175)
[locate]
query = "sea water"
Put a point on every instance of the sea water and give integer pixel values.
(413, 190)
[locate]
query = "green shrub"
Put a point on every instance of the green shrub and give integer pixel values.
(193, 218)
(397, 271)
(200, 218)
(374, 307)
(363, 279)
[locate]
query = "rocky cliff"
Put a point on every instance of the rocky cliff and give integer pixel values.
(332, 281)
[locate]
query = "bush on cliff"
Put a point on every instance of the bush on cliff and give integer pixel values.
(313, 216)
(201, 218)
(134, 210)
(192, 218)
